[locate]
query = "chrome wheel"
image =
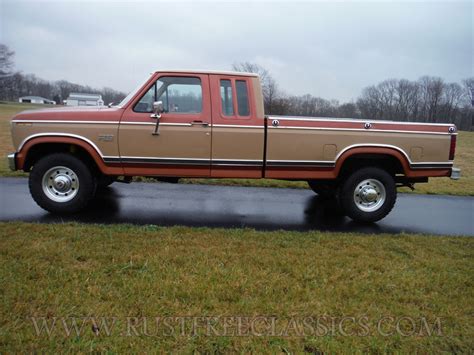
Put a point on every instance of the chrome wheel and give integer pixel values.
(60, 184)
(369, 195)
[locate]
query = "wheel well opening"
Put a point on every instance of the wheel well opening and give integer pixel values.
(40, 150)
(384, 161)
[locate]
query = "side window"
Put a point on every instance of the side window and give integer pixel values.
(178, 94)
(242, 97)
(226, 98)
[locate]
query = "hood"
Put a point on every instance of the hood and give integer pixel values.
(71, 113)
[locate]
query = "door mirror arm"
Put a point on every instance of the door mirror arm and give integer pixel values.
(158, 109)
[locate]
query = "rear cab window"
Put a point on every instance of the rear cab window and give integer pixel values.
(242, 98)
(234, 97)
(227, 102)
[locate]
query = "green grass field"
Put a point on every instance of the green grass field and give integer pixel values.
(132, 273)
(463, 160)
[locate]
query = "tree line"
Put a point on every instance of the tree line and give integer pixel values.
(428, 99)
(17, 85)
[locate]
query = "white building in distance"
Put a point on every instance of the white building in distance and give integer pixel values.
(80, 99)
(36, 100)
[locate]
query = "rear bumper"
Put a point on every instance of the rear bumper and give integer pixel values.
(12, 161)
(455, 173)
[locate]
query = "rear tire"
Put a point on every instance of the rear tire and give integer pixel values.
(368, 194)
(61, 183)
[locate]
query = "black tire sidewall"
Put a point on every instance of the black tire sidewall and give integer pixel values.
(87, 183)
(346, 195)
(103, 181)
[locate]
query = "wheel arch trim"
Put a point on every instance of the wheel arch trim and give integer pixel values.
(65, 138)
(380, 149)
(69, 135)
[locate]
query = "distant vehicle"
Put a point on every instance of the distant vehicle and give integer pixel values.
(80, 99)
(36, 100)
(205, 124)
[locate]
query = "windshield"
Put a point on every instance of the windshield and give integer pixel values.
(132, 93)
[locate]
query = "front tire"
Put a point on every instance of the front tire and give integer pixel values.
(104, 181)
(62, 183)
(368, 194)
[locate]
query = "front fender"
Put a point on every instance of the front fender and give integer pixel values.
(88, 146)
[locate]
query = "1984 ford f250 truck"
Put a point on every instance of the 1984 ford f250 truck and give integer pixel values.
(212, 124)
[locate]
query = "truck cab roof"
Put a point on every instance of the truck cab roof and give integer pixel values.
(205, 71)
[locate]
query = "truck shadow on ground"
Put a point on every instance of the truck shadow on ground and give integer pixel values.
(325, 214)
(104, 208)
(319, 214)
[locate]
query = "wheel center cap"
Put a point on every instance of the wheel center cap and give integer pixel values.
(369, 194)
(62, 183)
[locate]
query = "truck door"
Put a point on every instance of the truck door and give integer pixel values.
(182, 146)
(238, 131)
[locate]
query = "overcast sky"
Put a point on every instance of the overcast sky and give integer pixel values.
(328, 49)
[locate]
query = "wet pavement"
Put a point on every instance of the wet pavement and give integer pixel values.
(260, 208)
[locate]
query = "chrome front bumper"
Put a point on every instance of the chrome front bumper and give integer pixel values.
(12, 161)
(455, 173)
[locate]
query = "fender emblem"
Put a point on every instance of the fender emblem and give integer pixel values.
(106, 137)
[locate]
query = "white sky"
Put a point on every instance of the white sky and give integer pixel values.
(327, 49)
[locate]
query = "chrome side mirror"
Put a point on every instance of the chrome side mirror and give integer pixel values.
(158, 108)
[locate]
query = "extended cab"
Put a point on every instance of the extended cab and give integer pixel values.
(205, 124)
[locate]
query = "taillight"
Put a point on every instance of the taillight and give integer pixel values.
(452, 148)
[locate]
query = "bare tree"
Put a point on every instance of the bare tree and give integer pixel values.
(407, 99)
(6, 61)
(348, 110)
(370, 103)
(453, 96)
(469, 89)
(269, 86)
(431, 95)
(252, 68)
(467, 119)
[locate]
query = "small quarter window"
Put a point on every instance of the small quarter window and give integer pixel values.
(242, 97)
(146, 102)
(226, 98)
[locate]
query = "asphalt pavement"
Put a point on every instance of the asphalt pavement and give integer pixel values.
(224, 206)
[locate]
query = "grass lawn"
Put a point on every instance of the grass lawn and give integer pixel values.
(446, 186)
(131, 275)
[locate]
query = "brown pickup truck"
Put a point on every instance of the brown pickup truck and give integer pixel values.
(205, 124)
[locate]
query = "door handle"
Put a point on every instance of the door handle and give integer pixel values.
(199, 123)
